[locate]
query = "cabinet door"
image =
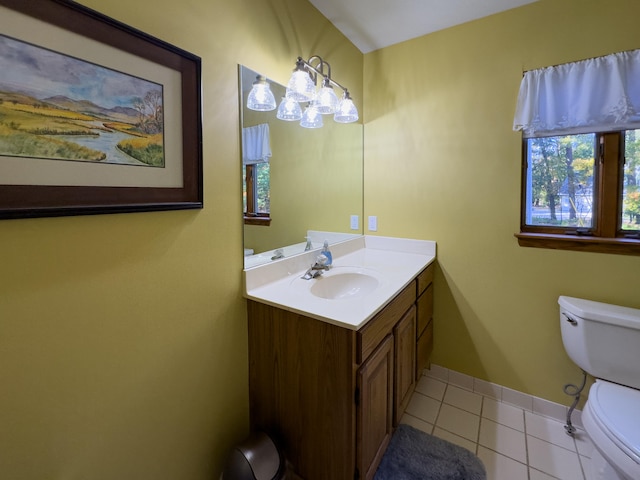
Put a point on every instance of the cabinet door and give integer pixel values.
(404, 335)
(375, 408)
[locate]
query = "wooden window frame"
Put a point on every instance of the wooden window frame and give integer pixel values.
(606, 236)
(251, 217)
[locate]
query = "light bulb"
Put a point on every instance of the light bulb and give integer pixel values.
(261, 97)
(289, 110)
(301, 87)
(326, 100)
(311, 117)
(347, 111)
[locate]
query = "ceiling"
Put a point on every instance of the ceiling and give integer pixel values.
(375, 24)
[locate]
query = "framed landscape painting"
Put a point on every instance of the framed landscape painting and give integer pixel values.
(95, 116)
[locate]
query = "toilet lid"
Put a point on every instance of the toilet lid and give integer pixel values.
(618, 410)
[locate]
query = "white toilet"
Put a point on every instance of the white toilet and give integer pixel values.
(604, 340)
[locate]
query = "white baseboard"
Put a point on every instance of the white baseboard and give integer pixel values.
(525, 401)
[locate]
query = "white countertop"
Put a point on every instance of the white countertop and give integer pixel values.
(395, 262)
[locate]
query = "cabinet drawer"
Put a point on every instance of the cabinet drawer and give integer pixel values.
(425, 309)
(370, 336)
(425, 278)
(424, 349)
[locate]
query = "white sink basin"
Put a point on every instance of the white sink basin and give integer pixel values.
(344, 285)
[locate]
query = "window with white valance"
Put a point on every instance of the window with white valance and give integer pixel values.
(256, 174)
(581, 155)
(595, 95)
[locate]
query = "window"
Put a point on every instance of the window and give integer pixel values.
(256, 194)
(582, 192)
(559, 183)
(581, 155)
(256, 174)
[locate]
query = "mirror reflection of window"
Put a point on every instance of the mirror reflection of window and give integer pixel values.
(256, 189)
(256, 171)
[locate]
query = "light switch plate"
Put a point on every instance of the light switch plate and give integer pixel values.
(373, 223)
(355, 223)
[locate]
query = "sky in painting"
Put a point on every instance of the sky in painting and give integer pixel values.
(43, 73)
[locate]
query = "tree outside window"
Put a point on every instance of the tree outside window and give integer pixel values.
(256, 193)
(582, 192)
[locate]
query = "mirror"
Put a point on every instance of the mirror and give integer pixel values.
(311, 185)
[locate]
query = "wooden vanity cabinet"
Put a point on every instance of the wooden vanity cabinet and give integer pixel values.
(328, 395)
(424, 331)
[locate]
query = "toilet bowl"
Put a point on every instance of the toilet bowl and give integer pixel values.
(604, 340)
(612, 422)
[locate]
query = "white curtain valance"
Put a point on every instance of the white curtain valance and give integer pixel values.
(595, 95)
(256, 147)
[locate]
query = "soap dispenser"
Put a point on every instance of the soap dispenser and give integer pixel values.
(327, 253)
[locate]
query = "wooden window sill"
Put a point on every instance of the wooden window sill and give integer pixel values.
(620, 246)
(250, 220)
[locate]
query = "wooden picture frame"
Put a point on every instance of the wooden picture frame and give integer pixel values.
(37, 186)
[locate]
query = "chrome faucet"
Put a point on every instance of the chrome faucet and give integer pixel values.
(278, 254)
(309, 245)
(320, 265)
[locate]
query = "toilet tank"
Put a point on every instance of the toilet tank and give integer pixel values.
(602, 339)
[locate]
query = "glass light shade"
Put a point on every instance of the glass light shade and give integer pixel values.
(347, 111)
(326, 100)
(261, 97)
(301, 87)
(311, 118)
(289, 110)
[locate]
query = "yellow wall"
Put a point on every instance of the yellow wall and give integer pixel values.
(442, 163)
(123, 337)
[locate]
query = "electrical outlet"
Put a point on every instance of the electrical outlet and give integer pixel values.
(373, 223)
(355, 223)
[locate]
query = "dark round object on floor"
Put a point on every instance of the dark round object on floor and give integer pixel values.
(256, 458)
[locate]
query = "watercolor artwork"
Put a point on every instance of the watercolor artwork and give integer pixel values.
(96, 117)
(53, 106)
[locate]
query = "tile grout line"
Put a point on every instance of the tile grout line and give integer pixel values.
(526, 443)
(582, 466)
(435, 421)
(479, 424)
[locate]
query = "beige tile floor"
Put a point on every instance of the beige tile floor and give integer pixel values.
(513, 443)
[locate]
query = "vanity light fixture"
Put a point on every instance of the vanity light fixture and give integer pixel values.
(261, 97)
(302, 88)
